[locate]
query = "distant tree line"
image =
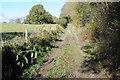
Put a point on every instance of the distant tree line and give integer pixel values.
(18, 20)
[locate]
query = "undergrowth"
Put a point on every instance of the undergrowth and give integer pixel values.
(21, 59)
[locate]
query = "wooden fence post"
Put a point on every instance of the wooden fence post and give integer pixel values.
(26, 34)
(1, 43)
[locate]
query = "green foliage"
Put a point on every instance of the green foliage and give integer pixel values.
(105, 36)
(62, 21)
(102, 21)
(26, 22)
(37, 15)
(54, 19)
(54, 74)
(83, 13)
(68, 9)
(21, 59)
(67, 13)
(87, 49)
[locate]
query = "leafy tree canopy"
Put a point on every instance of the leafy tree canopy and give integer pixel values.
(38, 15)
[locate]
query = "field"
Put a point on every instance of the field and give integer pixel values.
(9, 31)
(6, 27)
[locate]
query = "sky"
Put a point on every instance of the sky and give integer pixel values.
(12, 10)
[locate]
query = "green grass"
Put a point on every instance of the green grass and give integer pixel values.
(6, 27)
(69, 57)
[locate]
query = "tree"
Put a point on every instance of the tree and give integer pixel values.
(38, 15)
(25, 22)
(54, 19)
(12, 21)
(63, 22)
(4, 22)
(18, 20)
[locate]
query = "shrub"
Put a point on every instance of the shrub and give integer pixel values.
(22, 59)
(62, 21)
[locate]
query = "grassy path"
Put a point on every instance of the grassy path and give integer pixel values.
(66, 60)
(49, 62)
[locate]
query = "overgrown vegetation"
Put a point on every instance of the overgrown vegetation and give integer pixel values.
(21, 59)
(62, 22)
(102, 23)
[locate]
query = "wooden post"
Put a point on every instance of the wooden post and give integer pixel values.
(1, 42)
(50, 28)
(26, 34)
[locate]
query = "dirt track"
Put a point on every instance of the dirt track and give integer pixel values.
(65, 60)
